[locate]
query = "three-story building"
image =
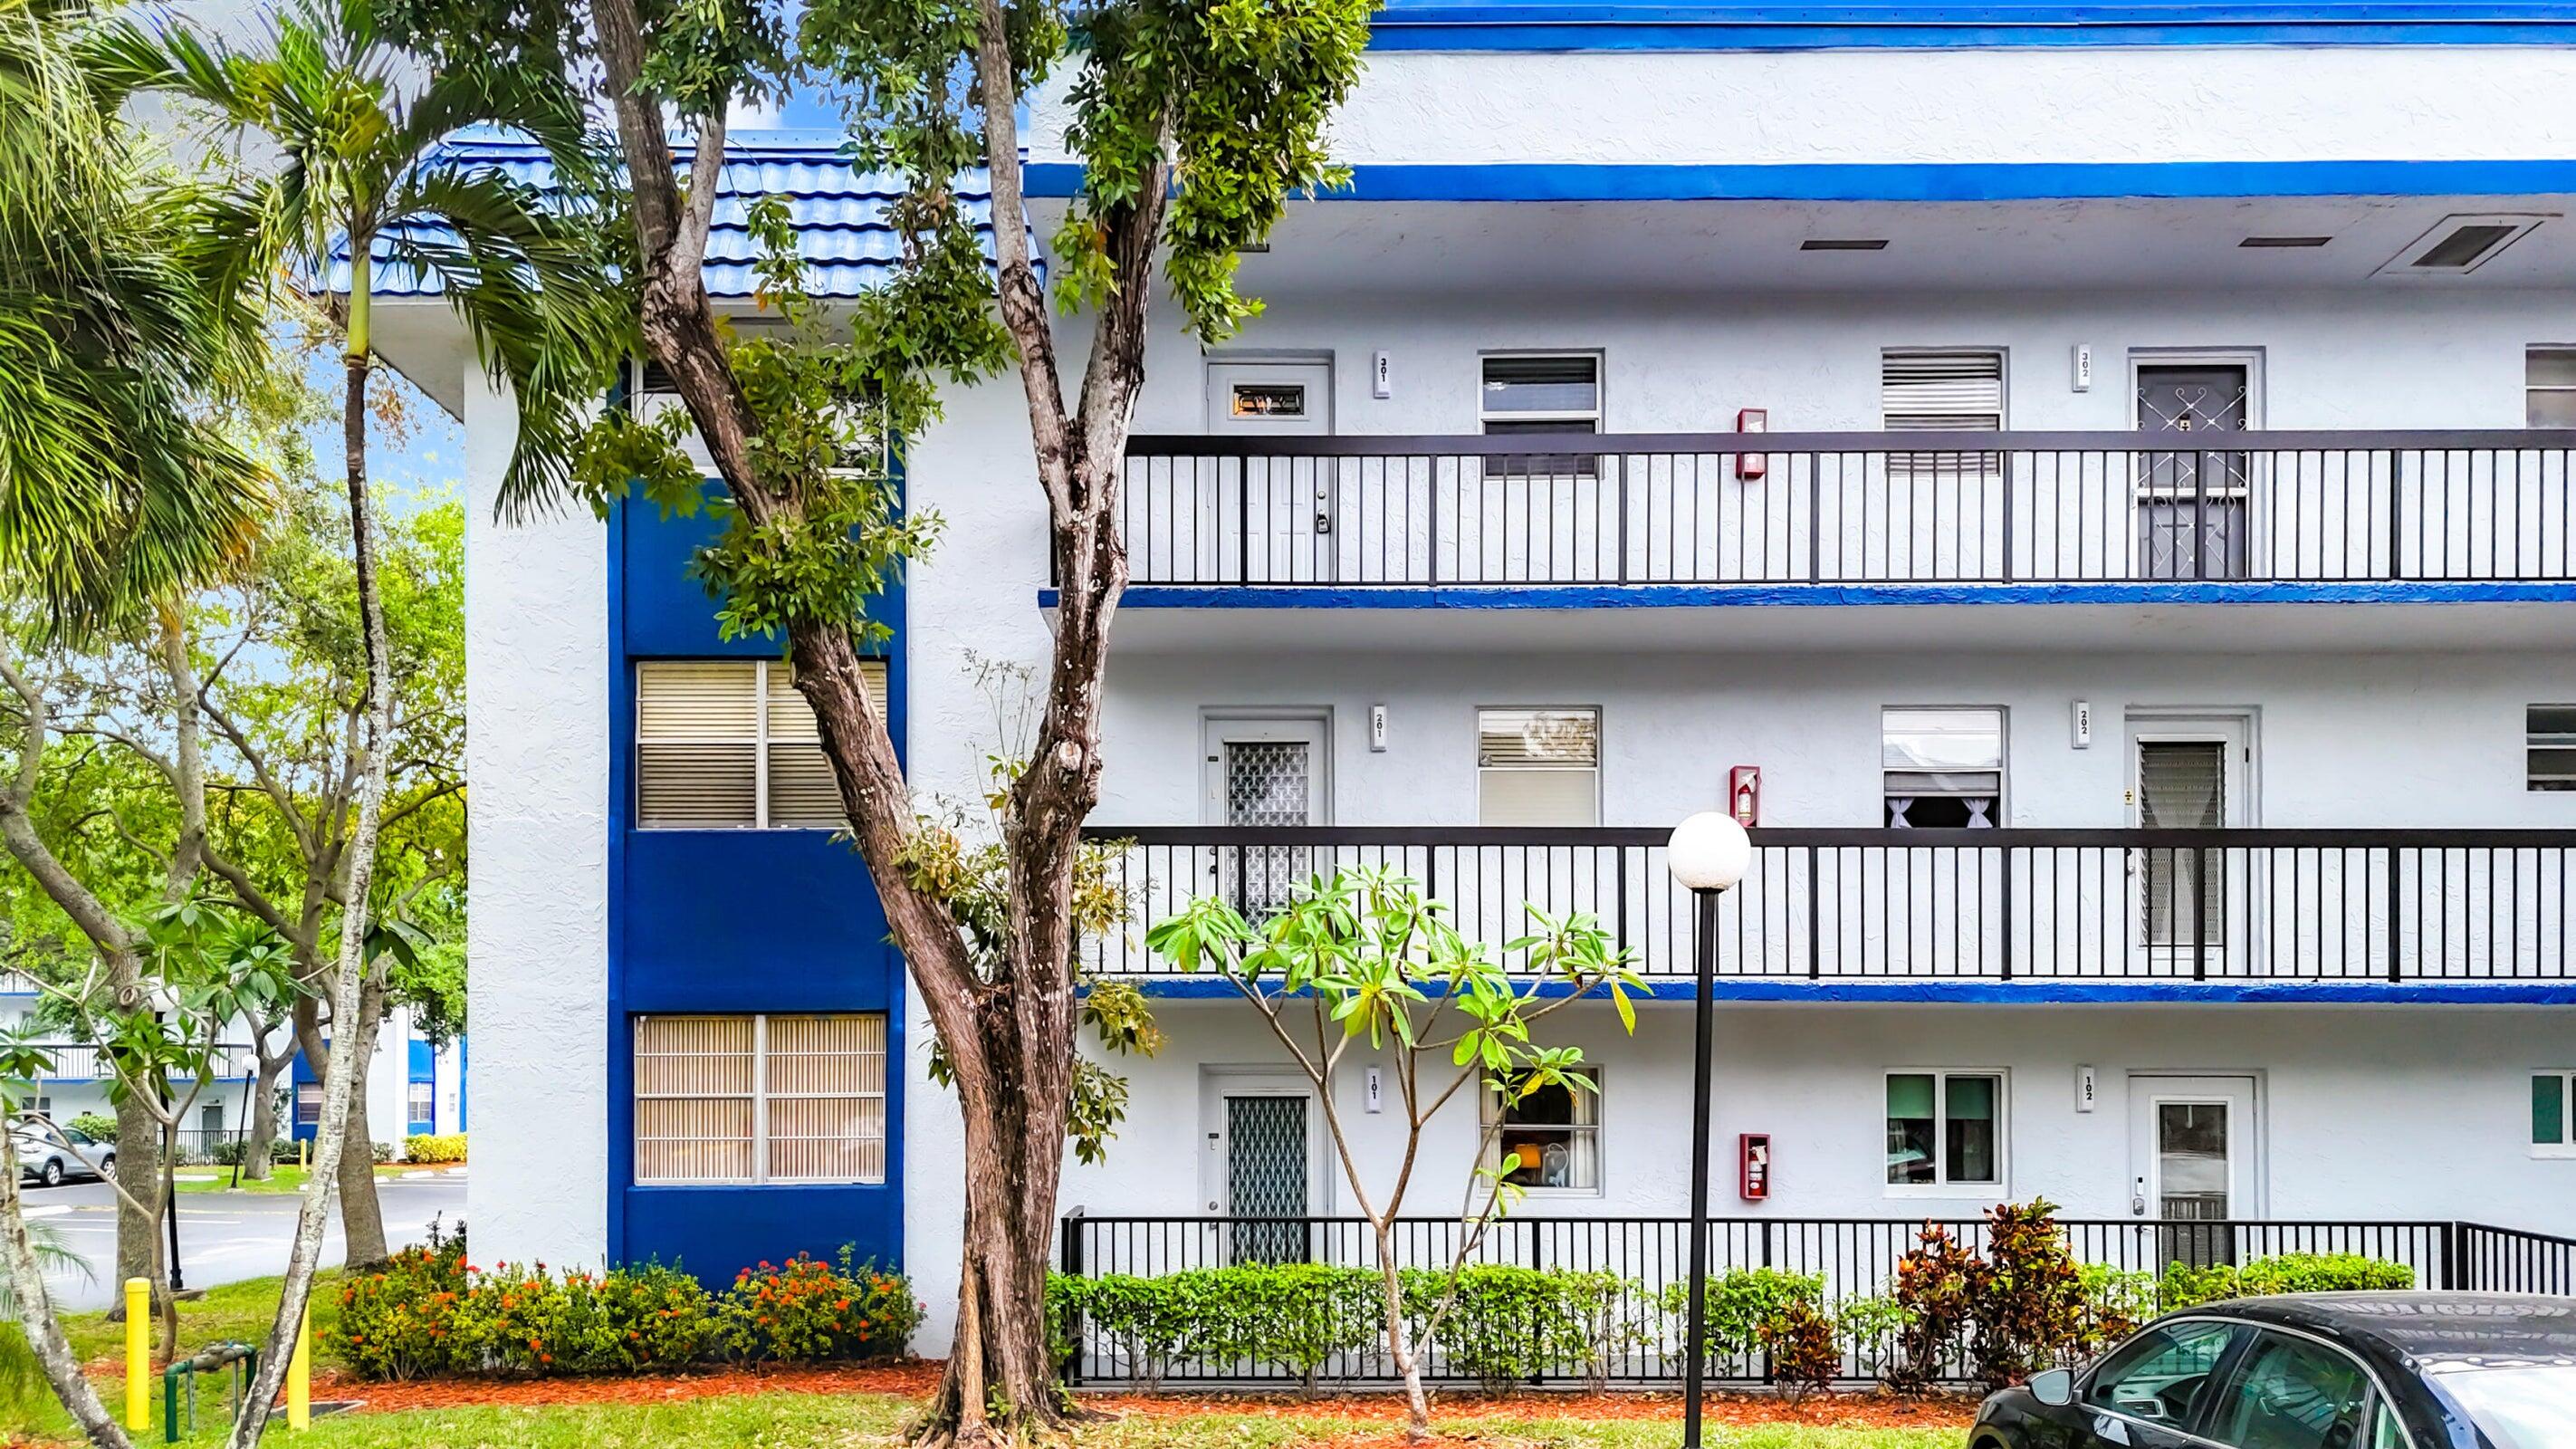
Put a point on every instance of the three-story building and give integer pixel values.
(2090, 485)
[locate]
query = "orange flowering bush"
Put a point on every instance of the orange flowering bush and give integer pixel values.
(809, 1310)
(398, 1319)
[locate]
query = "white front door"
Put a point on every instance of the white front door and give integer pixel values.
(2195, 1150)
(1270, 519)
(1270, 771)
(2194, 898)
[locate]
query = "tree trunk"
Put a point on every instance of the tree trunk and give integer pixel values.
(36, 1315)
(256, 1147)
(1000, 1386)
(138, 1229)
(362, 1213)
(1417, 1405)
(347, 993)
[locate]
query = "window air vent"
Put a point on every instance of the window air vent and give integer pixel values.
(1843, 244)
(2460, 245)
(2282, 243)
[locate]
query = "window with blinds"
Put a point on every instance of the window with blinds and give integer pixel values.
(729, 744)
(1558, 393)
(1941, 769)
(1942, 392)
(1538, 766)
(760, 1099)
(2549, 755)
(2549, 387)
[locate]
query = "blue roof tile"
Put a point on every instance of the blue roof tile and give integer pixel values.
(838, 209)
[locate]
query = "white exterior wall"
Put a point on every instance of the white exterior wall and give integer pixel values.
(2359, 736)
(536, 664)
(2020, 104)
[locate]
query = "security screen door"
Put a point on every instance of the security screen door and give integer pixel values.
(2193, 521)
(1260, 1129)
(1264, 771)
(2193, 1150)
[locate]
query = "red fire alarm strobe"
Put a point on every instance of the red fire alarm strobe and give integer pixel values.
(1753, 1150)
(1749, 465)
(1744, 795)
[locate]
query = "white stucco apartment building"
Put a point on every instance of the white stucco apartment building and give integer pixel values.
(2161, 781)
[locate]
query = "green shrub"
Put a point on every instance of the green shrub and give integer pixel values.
(382, 1152)
(94, 1124)
(2185, 1286)
(1510, 1324)
(398, 1319)
(2116, 1301)
(1297, 1317)
(435, 1147)
(2025, 1297)
(809, 1311)
(1804, 1350)
(1739, 1303)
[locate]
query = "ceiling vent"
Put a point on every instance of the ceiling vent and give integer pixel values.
(2460, 245)
(1843, 244)
(2283, 243)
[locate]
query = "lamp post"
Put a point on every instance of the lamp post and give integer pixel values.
(1707, 855)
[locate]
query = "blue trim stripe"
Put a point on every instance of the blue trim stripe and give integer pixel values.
(1692, 596)
(1924, 181)
(2034, 993)
(1714, 27)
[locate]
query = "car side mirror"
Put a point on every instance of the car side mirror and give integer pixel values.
(2053, 1387)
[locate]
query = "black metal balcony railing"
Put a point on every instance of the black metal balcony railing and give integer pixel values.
(1850, 508)
(1639, 1334)
(2063, 905)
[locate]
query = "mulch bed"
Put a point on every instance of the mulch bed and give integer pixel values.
(1371, 1416)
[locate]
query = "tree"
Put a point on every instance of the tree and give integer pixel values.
(118, 323)
(1361, 956)
(359, 177)
(122, 329)
(1195, 123)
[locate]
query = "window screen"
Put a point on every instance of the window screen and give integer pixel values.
(1941, 769)
(1538, 766)
(2550, 747)
(777, 1099)
(731, 745)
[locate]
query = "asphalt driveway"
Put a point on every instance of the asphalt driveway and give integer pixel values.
(224, 1236)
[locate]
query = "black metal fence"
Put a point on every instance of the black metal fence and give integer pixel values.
(2215, 905)
(1843, 508)
(1639, 1335)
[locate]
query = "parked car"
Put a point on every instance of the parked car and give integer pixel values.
(2314, 1371)
(51, 1154)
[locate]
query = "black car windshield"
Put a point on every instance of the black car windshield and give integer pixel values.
(2521, 1407)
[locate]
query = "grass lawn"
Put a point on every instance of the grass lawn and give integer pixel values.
(798, 1420)
(285, 1177)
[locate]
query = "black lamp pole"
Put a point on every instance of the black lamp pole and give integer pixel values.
(1694, 1371)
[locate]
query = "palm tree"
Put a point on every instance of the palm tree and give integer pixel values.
(362, 177)
(119, 323)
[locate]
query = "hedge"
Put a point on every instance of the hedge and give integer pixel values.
(435, 1147)
(2186, 1287)
(429, 1313)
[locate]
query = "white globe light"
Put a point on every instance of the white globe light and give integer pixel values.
(1709, 852)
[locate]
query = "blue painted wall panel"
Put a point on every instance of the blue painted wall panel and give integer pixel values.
(732, 921)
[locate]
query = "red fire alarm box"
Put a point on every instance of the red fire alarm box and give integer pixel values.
(1744, 795)
(1751, 465)
(1753, 1149)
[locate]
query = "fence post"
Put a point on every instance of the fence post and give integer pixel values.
(2396, 510)
(2008, 913)
(1815, 935)
(1623, 518)
(1243, 520)
(1070, 1251)
(2451, 1235)
(2396, 939)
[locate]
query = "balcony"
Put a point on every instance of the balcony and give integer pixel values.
(1832, 914)
(1837, 517)
(79, 1062)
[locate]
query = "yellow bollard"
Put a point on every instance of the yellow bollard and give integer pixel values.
(138, 1354)
(299, 1375)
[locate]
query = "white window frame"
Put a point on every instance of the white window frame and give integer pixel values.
(759, 1094)
(2533, 741)
(2565, 1147)
(1492, 1114)
(2003, 378)
(759, 740)
(414, 1089)
(1999, 1190)
(2003, 761)
(2531, 353)
(1600, 752)
(1597, 414)
(295, 1105)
